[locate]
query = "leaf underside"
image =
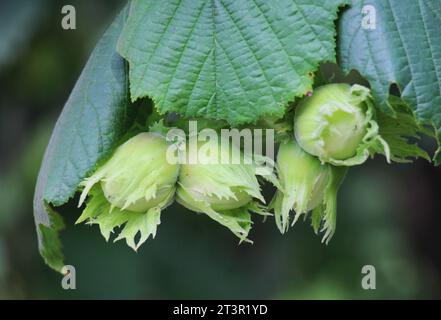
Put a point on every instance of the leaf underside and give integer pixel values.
(401, 132)
(235, 60)
(96, 115)
(403, 49)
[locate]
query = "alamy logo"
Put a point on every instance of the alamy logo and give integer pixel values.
(69, 281)
(369, 20)
(69, 20)
(368, 282)
(245, 146)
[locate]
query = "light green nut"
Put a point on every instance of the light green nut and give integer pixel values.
(226, 192)
(138, 176)
(305, 185)
(137, 180)
(337, 124)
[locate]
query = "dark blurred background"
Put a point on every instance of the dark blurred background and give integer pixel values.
(388, 215)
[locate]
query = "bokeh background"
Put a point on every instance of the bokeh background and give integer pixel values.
(389, 215)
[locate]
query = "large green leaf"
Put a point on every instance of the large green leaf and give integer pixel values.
(237, 60)
(403, 49)
(96, 115)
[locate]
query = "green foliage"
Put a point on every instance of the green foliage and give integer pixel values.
(224, 63)
(403, 49)
(233, 60)
(328, 210)
(95, 117)
(99, 211)
(49, 241)
(401, 131)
